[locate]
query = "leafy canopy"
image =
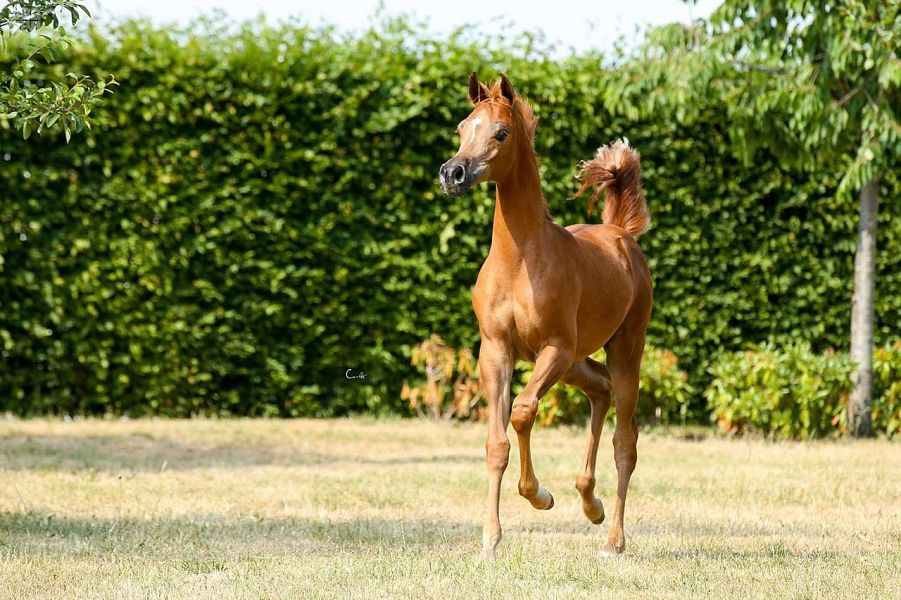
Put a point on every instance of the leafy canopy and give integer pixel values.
(822, 75)
(30, 100)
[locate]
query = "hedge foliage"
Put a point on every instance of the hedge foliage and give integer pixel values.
(794, 392)
(257, 212)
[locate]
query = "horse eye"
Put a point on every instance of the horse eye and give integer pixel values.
(501, 135)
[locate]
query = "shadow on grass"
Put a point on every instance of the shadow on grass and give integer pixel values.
(147, 453)
(198, 541)
(683, 528)
(29, 533)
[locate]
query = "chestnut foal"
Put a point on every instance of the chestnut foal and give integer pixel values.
(552, 296)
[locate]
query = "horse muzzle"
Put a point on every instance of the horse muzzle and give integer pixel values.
(456, 176)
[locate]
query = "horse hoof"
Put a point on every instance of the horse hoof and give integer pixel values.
(490, 542)
(594, 512)
(610, 551)
(543, 500)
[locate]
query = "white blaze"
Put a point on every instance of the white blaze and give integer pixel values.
(475, 126)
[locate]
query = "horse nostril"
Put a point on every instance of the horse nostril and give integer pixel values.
(459, 174)
(442, 172)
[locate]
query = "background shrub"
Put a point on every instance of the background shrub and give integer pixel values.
(450, 385)
(886, 405)
(256, 212)
(794, 392)
(665, 394)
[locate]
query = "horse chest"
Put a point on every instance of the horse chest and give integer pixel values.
(509, 312)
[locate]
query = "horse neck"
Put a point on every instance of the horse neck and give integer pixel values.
(520, 212)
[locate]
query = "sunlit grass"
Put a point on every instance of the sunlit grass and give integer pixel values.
(371, 509)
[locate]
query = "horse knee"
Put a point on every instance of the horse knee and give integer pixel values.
(523, 415)
(497, 454)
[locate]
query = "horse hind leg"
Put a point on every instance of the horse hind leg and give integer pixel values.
(593, 378)
(623, 360)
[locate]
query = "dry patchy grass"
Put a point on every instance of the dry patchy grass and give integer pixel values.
(373, 509)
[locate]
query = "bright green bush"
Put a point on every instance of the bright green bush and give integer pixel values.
(256, 211)
(794, 392)
(887, 389)
(664, 394)
(791, 392)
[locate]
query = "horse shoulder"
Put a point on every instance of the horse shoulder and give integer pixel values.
(488, 296)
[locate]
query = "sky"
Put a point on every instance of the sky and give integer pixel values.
(579, 24)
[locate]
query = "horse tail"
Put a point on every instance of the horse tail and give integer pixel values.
(616, 170)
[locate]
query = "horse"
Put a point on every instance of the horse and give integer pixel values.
(553, 295)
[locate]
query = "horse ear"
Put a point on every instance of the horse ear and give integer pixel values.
(477, 91)
(507, 89)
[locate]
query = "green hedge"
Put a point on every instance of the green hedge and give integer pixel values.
(257, 212)
(794, 392)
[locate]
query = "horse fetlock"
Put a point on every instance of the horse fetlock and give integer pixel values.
(585, 484)
(616, 542)
(537, 496)
(528, 489)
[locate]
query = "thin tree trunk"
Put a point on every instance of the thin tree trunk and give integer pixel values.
(859, 421)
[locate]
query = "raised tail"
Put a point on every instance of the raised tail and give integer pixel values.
(616, 170)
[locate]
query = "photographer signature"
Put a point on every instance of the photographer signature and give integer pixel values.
(349, 374)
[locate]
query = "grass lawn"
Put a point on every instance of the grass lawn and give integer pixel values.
(393, 509)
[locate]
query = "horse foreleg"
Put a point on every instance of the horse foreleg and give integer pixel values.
(551, 363)
(592, 378)
(496, 369)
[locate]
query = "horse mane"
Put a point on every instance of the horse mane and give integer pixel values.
(523, 110)
(525, 118)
